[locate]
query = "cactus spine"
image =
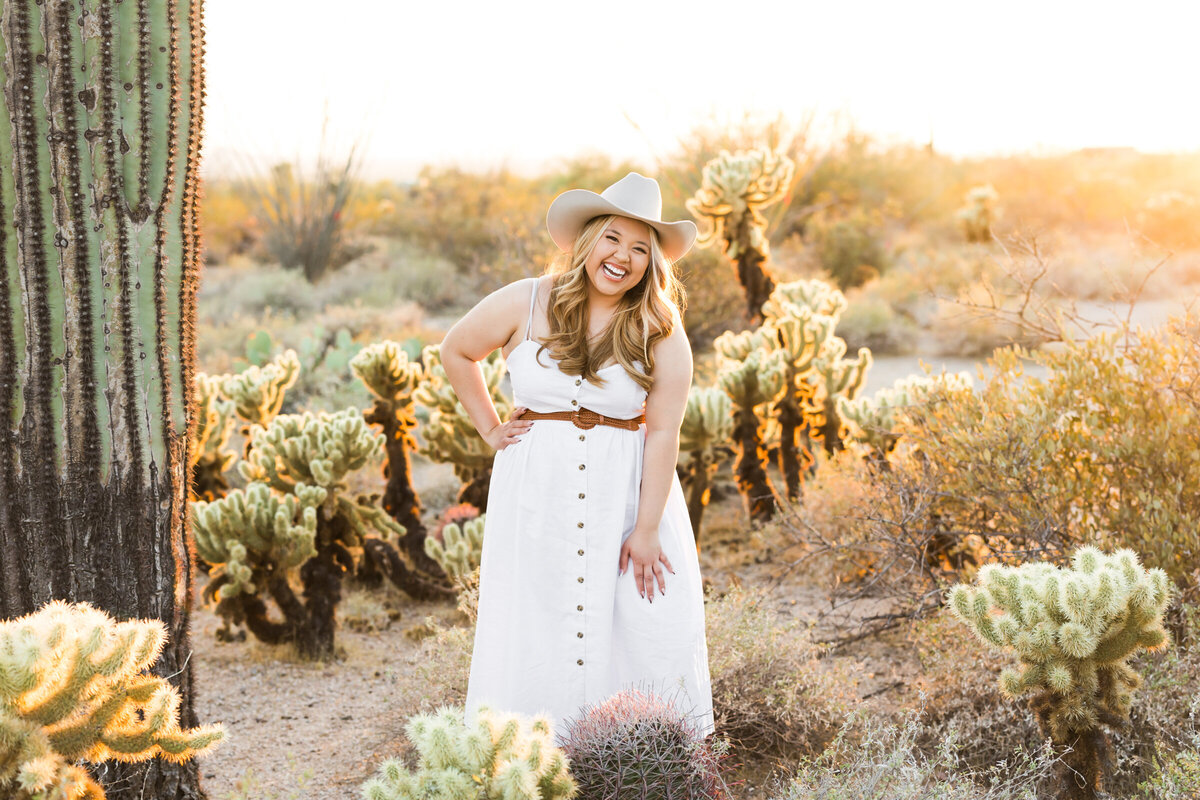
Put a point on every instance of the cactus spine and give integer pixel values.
(460, 550)
(74, 688)
(258, 392)
(755, 380)
(704, 439)
(386, 371)
(99, 246)
(734, 191)
(450, 436)
(500, 758)
(1074, 631)
(208, 456)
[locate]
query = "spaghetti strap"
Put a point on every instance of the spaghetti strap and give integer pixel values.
(532, 300)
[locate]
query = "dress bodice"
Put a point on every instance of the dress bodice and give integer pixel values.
(539, 385)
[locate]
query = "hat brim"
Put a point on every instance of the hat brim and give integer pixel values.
(572, 209)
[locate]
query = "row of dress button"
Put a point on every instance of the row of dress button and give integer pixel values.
(582, 437)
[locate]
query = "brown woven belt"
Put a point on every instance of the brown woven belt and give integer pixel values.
(586, 418)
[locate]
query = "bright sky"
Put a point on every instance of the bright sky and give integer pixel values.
(517, 83)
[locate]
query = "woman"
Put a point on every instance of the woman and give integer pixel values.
(587, 524)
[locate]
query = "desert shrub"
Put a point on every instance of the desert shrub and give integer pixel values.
(872, 321)
(74, 687)
(443, 664)
(870, 760)
(499, 757)
(637, 746)
(1171, 219)
(848, 245)
(1174, 776)
(772, 695)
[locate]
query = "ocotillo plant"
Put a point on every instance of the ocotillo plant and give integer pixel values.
(100, 134)
(500, 757)
(756, 380)
(460, 548)
(978, 214)
(258, 392)
(208, 456)
(704, 442)
(74, 688)
(1074, 631)
(449, 435)
(835, 377)
(735, 189)
(389, 375)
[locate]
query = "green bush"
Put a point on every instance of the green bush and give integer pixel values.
(848, 245)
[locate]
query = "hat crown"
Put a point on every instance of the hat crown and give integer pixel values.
(637, 194)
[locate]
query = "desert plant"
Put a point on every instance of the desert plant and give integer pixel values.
(74, 688)
(392, 379)
(207, 454)
(1074, 631)
(704, 439)
(875, 421)
(978, 214)
(258, 392)
(499, 757)
(734, 190)
(635, 745)
(450, 436)
(459, 550)
(847, 245)
(753, 378)
(835, 378)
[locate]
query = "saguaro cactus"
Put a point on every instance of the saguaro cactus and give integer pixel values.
(1074, 631)
(99, 244)
(450, 437)
(704, 442)
(735, 189)
(502, 757)
(74, 688)
(386, 371)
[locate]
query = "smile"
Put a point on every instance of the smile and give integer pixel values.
(612, 272)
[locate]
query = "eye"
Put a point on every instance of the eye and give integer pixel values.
(611, 238)
(641, 250)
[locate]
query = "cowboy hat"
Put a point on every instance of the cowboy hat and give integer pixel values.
(634, 196)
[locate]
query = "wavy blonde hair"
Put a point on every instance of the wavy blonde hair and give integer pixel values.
(642, 318)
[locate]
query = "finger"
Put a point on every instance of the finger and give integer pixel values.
(623, 561)
(662, 584)
(663, 558)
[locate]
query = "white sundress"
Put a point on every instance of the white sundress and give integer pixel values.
(557, 628)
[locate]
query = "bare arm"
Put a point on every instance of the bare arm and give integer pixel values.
(665, 406)
(486, 327)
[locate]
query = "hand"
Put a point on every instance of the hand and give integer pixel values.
(648, 560)
(506, 433)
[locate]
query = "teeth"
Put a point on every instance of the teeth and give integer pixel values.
(613, 271)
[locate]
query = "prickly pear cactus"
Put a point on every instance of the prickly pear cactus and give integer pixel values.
(461, 548)
(735, 189)
(1074, 631)
(500, 757)
(74, 688)
(258, 392)
(705, 440)
(214, 423)
(450, 436)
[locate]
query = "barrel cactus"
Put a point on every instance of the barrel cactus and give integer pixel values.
(214, 422)
(735, 189)
(392, 379)
(704, 442)
(1074, 631)
(450, 436)
(751, 383)
(498, 757)
(637, 746)
(74, 687)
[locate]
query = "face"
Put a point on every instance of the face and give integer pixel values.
(621, 257)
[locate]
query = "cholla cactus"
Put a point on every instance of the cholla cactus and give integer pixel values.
(757, 380)
(73, 688)
(214, 423)
(450, 436)
(500, 758)
(1074, 631)
(385, 369)
(704, 442)
(735, 189)
(636, 746)
(816, 295)
(875, 421)
(979, 213)
(258, 392)
(460, 549)
(835, 377)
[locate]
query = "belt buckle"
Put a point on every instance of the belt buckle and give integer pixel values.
(586, 419)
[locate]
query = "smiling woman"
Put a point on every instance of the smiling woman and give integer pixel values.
(586, 519)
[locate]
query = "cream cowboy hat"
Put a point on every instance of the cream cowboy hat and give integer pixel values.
(634, 196)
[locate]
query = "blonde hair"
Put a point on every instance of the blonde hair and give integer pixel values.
(643, 317)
